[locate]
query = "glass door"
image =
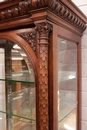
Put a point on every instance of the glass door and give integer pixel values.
(67, 85)
(17, 89)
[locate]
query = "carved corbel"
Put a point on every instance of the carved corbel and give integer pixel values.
(30, 37)
(43, 30)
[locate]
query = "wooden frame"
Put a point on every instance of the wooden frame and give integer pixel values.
(53, 75)
(35, 26)
(62, 33)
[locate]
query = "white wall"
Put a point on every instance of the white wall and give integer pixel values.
(82, 5)
(80, 2)
(84, 81)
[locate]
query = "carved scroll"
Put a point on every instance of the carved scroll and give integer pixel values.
(43, 30)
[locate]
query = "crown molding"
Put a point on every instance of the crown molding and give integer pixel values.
(61, 10)
(75, 9)
(59, 7)
(8, 4)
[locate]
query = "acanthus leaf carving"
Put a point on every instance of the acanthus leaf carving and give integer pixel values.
(29, 37)
(43, 29)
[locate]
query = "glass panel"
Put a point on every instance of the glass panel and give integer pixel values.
(20, 102)
(15, 123)
(67, 84)
(17, 88)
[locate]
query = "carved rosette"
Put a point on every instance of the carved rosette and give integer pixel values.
(29, 37)
(43, 30)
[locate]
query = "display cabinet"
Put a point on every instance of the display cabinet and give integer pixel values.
(40, 71)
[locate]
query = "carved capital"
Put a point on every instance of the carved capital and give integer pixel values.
(43, 30)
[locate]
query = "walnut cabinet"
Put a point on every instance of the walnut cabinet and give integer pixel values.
(40, 44)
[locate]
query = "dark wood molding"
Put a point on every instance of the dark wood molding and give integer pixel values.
(74, 8)
(21, 8)
(12, 12)
(67, 14)
(8, 4)
(53, 19)
(58, 7)
(43, 30)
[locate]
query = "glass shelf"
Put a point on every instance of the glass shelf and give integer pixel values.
(13, 115)
(20, 103)
(11, 80)
(13, 122)
(21, 76)
(19, 108)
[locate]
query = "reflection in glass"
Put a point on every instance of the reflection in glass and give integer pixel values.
(67, 84)
(17, 89)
